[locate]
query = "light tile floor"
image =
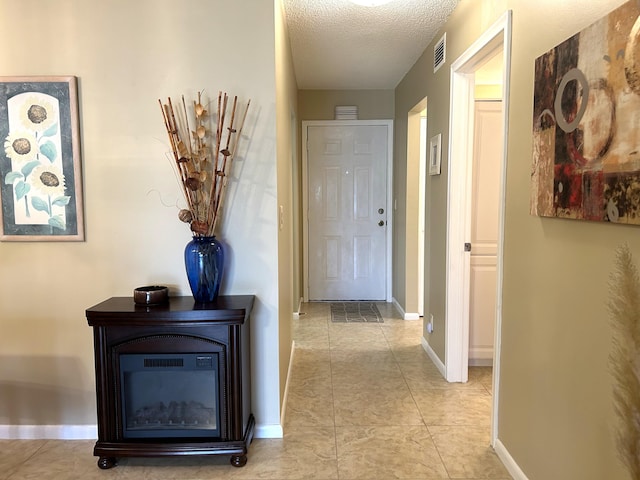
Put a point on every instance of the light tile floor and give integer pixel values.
(364, 402)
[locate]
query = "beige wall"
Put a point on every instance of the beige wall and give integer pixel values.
(419, 84)
(320, 104)
(488, 92)
(126, 55)
(286, 129)
(555, 336)
(405, 289)
(555, 416)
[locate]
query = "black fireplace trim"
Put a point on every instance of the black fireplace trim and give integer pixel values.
(237, 449)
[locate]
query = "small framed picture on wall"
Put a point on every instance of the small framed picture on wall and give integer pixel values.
(435, 154)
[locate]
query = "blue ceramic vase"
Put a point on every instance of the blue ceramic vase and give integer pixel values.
(204, 262)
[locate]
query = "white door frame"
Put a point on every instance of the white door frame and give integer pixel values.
(305, 193)
(458, 205)
(422, 228)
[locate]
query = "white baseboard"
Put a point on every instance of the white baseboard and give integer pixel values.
(397, 306)
(296, 314)
(268, 431)
(434, 358)
(54, 432)
(481, 362)
(508, 461)
(481, 356)
(286, 385)
(403, 314)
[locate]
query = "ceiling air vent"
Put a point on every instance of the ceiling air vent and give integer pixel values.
(439, 53)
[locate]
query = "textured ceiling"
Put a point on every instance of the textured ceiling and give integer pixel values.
(339, 45)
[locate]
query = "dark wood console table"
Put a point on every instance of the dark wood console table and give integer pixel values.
(218, 331)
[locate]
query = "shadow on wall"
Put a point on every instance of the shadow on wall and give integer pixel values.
(45, 390)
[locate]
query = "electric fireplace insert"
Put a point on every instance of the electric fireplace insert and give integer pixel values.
(165, 396)
(172, 379)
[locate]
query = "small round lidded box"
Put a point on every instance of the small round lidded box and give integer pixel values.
(151, 295)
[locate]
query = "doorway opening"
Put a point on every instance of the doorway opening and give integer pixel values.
(495, 41)
(415, 211)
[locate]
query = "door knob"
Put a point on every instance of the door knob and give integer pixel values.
(381, 223)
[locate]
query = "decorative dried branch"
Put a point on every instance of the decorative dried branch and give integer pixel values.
(169, 121)
(624, 308)
(202, 173)
(233, 153)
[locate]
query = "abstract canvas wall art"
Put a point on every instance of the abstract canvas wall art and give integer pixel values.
(586, 123)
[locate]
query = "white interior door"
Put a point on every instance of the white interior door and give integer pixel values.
(347, 212)
(487, 162)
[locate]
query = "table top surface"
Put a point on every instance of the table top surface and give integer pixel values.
(178, 308)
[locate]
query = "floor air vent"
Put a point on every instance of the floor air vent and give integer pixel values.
(439, 53)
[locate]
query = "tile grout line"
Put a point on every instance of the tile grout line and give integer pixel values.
(17, 467)
(424, 423)
(333, 395)
(444, 465)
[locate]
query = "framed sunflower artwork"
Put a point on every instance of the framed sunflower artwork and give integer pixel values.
(40, 174)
